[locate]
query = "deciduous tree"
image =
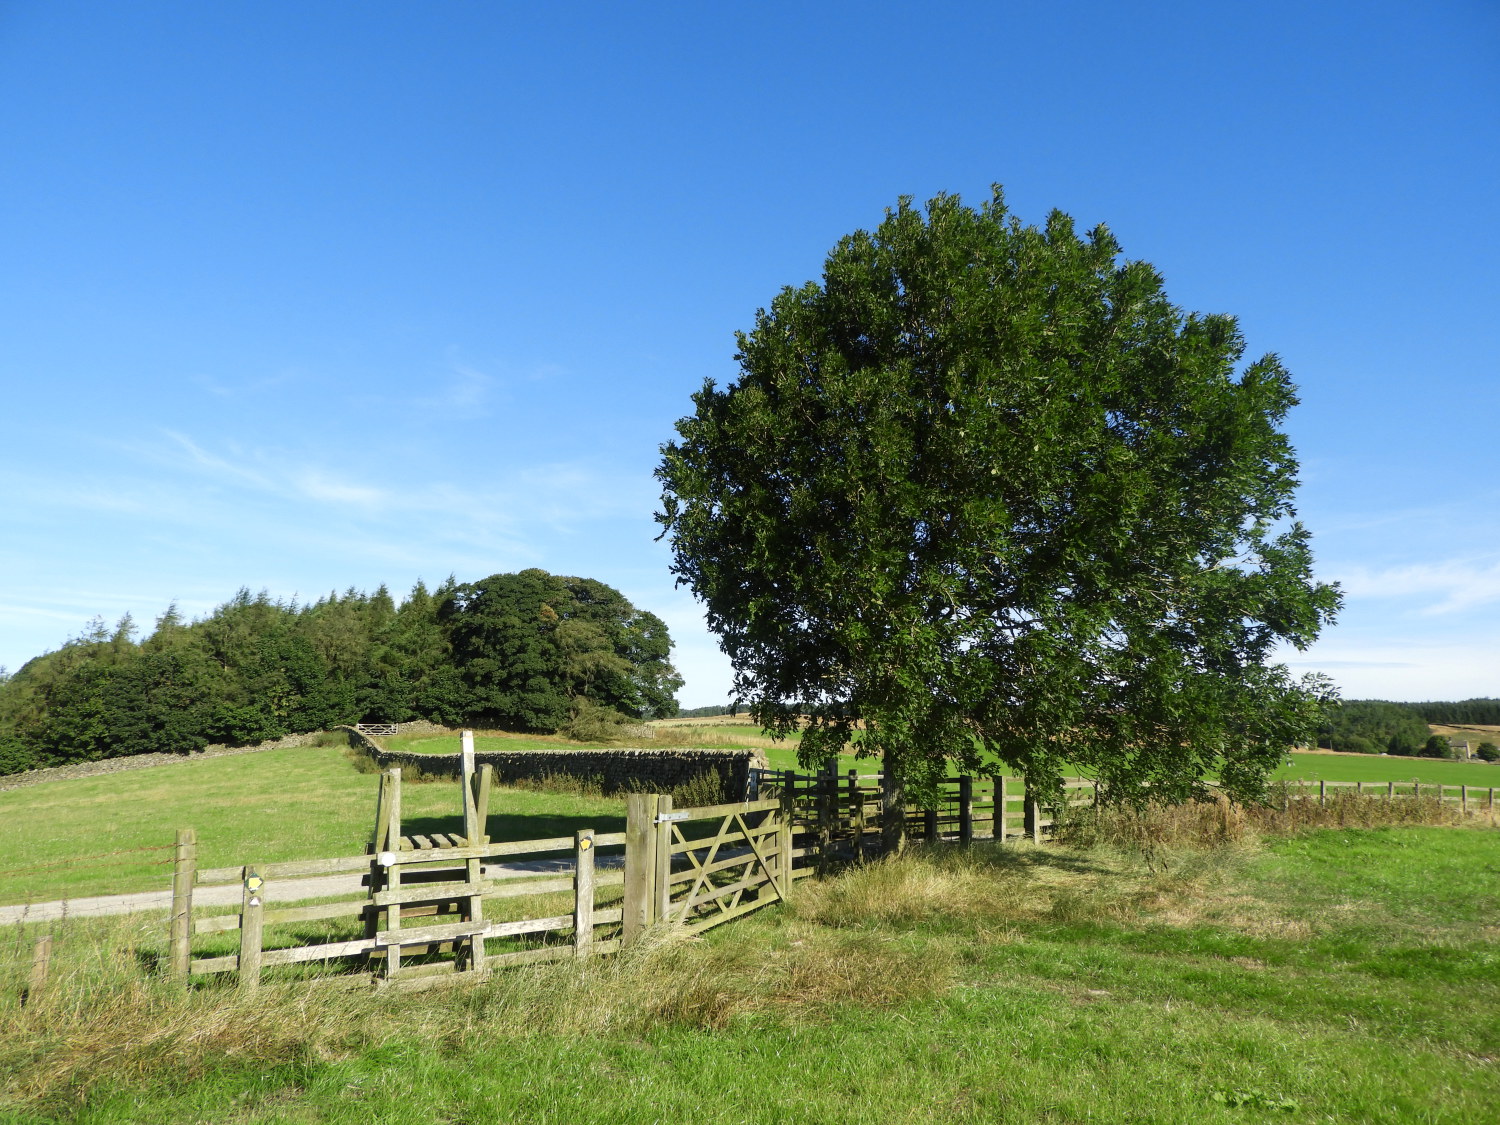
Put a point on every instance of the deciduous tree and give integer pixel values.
(985, 494)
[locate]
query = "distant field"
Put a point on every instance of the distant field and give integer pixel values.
(1372, 767)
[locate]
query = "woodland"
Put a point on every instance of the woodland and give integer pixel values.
(530, 651)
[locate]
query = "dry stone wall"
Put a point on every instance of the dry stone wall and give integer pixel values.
(614, 771)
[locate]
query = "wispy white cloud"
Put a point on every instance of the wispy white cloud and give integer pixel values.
(1392, 669)
(1447, 586)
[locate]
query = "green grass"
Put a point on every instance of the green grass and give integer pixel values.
(56, 839)
(1372, 767)
(1350, 975)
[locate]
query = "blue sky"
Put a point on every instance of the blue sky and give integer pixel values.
(299, 296)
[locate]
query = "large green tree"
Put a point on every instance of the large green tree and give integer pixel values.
(986, 494)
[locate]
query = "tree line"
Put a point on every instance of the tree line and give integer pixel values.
(1375, 726)
(530, 651)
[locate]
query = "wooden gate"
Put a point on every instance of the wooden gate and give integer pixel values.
(703, 866)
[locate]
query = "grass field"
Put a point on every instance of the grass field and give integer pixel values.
(310, 802)
(1349, 976)
(1372, 767)
(281, 804)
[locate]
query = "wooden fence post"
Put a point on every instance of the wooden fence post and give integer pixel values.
(252, 909)
(1390, 791)
(1322, 793)
(663, 858)
(184, 872)
(392, 878)
(827, 802)
(640, 866)
(930, 825)
(583, 892)
(1463, 799)
(473, 910)
(966, 810)
(784, 846)
(1002, 803)
(892, 813)
(482, 799)
(854, 818)
(41, 965)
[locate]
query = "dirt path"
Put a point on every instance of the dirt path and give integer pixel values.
(286, 890)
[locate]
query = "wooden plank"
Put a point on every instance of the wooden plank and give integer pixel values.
(226, 964)
(184, 871)
(251, 910)
(529, 926)
(298, 953)
(709, 812)
(545, 953)
(287, 870)
(483, 851)
(607, 915)
(224, 922)
(425, 972)
(426, 934)
(583, 893)
(546, 886)
(426, 892)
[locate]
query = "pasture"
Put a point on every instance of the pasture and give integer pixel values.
(278, 805)
(1332, 976)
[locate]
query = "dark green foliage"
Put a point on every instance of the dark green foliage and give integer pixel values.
(519, 651)
(1437, 747)
(985, 482)
(1467, 712)
(1371, 726)
(1487, 752)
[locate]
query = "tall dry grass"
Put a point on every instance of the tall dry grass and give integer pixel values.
(1155, 831)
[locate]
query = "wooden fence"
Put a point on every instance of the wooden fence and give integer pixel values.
(430, 908)
(843, 815)
(421, 909)
(1468, 798)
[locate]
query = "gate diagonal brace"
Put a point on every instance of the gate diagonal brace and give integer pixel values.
(765, 867)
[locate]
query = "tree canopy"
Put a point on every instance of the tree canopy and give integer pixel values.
(518, 651)
(985, 494)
